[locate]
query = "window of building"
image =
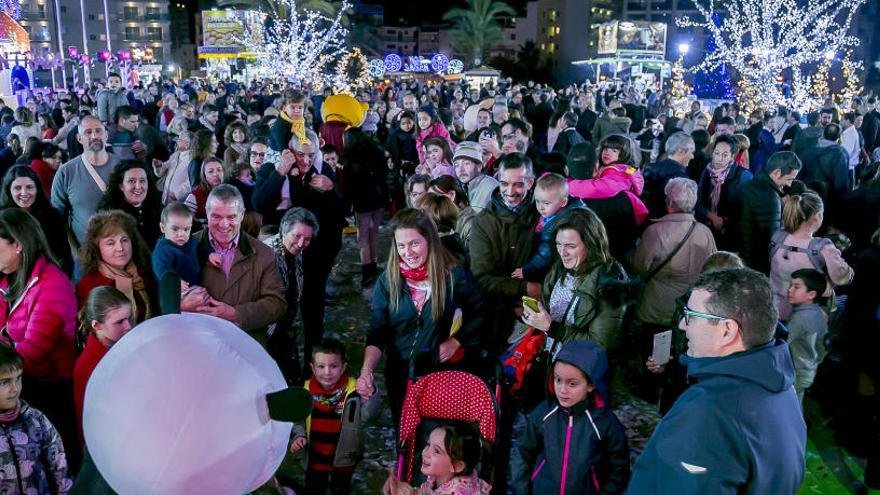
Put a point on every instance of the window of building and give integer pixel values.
(552, 15)
(41, 9)
(132, 32)
(91, 17)
(92, 37)
(130, 13)
(153, 13)
(63, 9)
(154, 33)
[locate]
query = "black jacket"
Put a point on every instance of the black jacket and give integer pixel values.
(729, 205)
(567, 140)
(871, 130)
(657, 175)
(761, 216)
(586, 121)
(410, 337)
(826, 171)
(328, 206)
(365, 186)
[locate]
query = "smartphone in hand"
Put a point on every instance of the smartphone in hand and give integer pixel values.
(662, 347)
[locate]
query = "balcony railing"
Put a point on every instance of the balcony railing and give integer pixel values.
(141, 37)
(143, 17)
(34, 16)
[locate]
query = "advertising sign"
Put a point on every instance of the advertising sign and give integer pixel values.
(632, 37)
(221, 29)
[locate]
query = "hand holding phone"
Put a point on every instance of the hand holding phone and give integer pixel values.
(662, 347)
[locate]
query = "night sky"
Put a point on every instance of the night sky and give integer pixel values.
(415, 12)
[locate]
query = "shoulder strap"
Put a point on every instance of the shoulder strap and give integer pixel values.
(814, 251)
(777, 241)
(94, 173)
(675, 251)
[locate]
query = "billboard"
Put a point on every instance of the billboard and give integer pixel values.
(632, 37)
(221, 29)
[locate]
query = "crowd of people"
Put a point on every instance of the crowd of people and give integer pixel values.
(543, 240)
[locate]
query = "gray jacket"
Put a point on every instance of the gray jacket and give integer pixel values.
(479, 191)
(807, 327)
(109, 101)
(350, 446)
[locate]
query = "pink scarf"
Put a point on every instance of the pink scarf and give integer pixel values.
(11, 415)
(718, 177)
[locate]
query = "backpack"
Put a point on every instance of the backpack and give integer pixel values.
(520, 357)
(813, 251)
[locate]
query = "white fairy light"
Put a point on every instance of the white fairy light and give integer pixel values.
(763, 38)
(302, 46)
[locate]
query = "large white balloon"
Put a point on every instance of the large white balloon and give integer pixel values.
(178, 407)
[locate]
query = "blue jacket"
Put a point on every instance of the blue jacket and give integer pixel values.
(585, 443)
(186, 260)
(539, 264)
(738, 429)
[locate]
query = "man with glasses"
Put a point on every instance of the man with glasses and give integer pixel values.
(739, 427)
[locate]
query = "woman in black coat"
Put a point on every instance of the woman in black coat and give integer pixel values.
(22, 189)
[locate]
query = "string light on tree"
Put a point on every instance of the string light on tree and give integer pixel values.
(761, 38)
(298, 44)
(852, 79)
(819, 86)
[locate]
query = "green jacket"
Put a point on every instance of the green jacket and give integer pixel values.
(597, 318)
(501, 241)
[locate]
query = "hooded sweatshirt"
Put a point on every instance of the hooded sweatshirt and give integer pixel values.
(576, 450)
(738, 429)
(611, 180)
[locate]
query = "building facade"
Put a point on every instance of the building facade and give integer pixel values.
(95, 25)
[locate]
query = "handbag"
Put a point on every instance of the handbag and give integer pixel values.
(636, 285)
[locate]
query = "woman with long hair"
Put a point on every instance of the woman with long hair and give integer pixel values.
(237, 138)
(22, 189)
(414, 306)
(204, 144)
(38, 317)
(211, 175)
(113, 253)
(131, 188)
(791, 248)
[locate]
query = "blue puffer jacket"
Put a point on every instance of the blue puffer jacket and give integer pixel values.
(738, 430)
(583, 448)
(539, 264)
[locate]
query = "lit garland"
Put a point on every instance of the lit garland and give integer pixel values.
(802, 98)
(300, 46)
(343, 81)
(680, 88)
(819, 81)
(762, 38)
(852, 80)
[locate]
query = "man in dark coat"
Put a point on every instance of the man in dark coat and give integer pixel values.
(762, 208)
(680, 150)
(740, 405)
(569, 137)
(826, 170)
(871, 124)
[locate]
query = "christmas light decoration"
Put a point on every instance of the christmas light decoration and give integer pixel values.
(819, 82)
(377, 68)
(852, 80)
(351, 62)
(439, 62)
(762, 39)
(299, 46)
(456, 66)
(713, 83)
(393, 62)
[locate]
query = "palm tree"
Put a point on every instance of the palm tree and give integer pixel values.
(476, 26)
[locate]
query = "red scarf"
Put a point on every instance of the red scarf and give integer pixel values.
(328, 400)
(414, 274)
(11, 415)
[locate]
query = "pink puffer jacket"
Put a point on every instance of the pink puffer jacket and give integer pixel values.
(43, 323)
(611, 180)
(437, 129)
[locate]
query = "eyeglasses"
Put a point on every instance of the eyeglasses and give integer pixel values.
(688, 313)
(261, 155)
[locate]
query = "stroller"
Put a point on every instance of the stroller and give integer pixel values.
(444, 397)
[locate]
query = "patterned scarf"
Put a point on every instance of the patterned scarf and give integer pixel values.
(329, 400)
(718, 177)
(129, 282)
(297, 128)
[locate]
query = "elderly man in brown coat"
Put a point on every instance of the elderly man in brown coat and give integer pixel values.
(673, 248)
(246, 288)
